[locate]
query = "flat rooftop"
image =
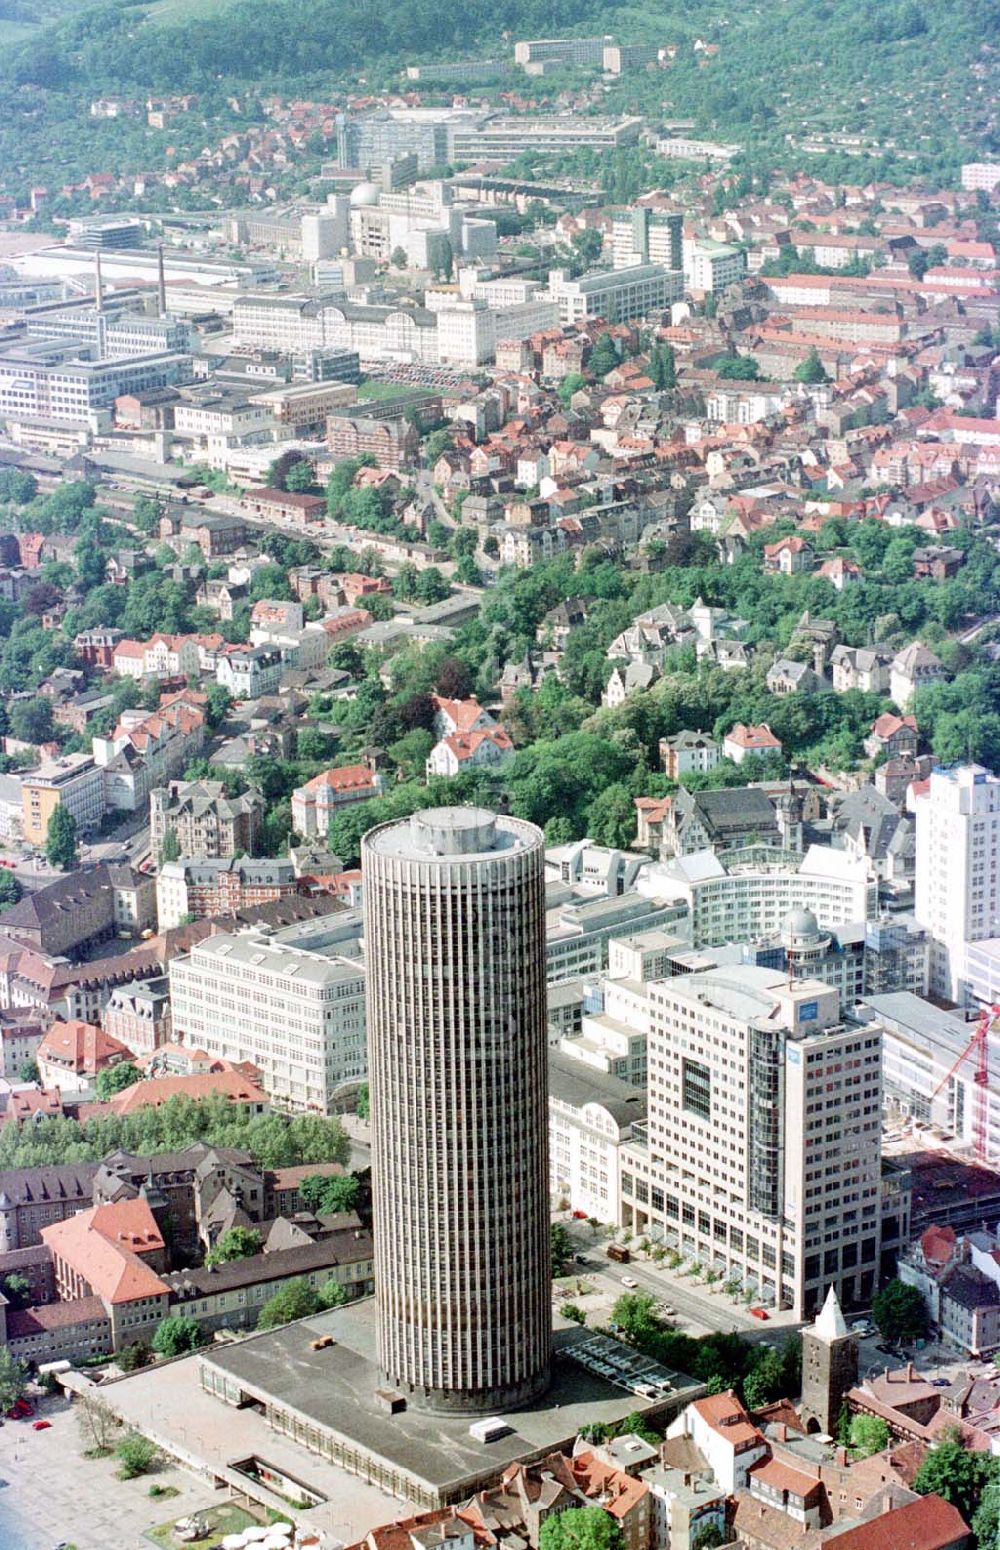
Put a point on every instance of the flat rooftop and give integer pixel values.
(422, 1457)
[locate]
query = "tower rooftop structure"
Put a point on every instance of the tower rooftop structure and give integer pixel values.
(830, 1323)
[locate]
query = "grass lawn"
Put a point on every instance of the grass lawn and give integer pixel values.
(226, 1518)
(383, 390)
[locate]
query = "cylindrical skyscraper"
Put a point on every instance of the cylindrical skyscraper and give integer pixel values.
(455, 946)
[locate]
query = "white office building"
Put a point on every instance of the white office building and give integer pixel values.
(615, 294)
(956, 883)
(761, 1157)
(745, 895)
(591, 1116)
(297, 1011)
(711, 266)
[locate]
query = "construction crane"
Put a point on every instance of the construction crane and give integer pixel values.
(978, 1045)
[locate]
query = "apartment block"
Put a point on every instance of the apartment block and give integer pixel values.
(957, 872)
(222, 886)
(711, 266)
(204, 819)
(761, 1158)
(297, 1013)
(642, 235)
(74, 782)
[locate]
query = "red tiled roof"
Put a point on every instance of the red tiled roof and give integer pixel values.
(105, 1246)
(928, 1524)
(81, 1047)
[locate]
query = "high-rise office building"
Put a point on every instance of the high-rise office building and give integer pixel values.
(956, 889)
(762, 1157)
(455, 944)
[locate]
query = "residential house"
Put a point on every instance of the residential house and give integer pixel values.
(724, 1435)
(204, 819)
(790, 556)
(728, 819)
(247, 672)
(742, 740)
(72, 1055)
(631, 679)
(913, 668)
(457, 751)
(138, 1015)
(689, 753)
(786, 676)
(860, 667)
(895, 736)
(314, 804)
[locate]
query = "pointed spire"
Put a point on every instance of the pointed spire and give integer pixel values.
(98, 287)
(830, 1325)
(161, 281)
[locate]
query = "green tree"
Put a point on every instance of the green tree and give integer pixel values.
(868, 1434)
(951, 1471)
(176, 1335)
(219, 703)
(899, 1312)
(295, 1300)
(410, 752)
(170, 848)
(603, 357)
(60, 839)
(581, 1528)
(398, 257)
(29, 1071)
(811, 370)
(708, 1538)
(611, 818)
(300, 477)
(17, 488)
(333, 1294)
(570, 384)
(13, 1379)
(738, 368)
(234, 1243)
(562, 1249)
(364, 1107)
(327, 1193)
(136, 1456)
(10, 888)
(115, 1079)
(17, 1290)
(31, 720)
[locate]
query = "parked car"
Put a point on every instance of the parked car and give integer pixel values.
(630, 1282)
(759, 1313)
(40, 1426)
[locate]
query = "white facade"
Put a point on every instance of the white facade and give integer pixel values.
(466, 333)
(762, 1154)
(746, 895)
(297, 1014)
(590, 1117)
(956, 884)
(711, 266)
(615, 294)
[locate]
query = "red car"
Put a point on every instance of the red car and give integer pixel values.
(580, 1216)
(20, 1409)
(40, 1426)
(759, 1313)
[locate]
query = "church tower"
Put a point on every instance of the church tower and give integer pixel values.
(829, 1367)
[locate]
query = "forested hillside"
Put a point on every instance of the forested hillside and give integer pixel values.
(916, 80)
